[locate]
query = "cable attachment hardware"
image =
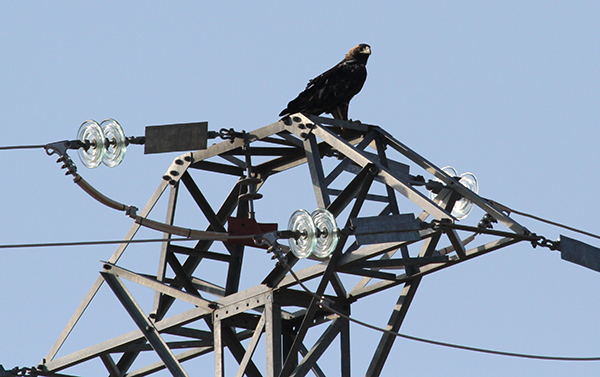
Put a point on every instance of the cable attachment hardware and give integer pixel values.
(419, 180)
(278, 254)
(441, 224)
(544, 242)
(250, 180)
(486, 222)
(137, 140)
(60, 148)
(230, 134)
(269, 240)
(434, 186)
(17, 372)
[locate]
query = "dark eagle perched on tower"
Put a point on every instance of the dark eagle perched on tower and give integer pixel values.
(332, 91)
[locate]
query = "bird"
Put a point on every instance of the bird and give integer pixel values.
(331, 91)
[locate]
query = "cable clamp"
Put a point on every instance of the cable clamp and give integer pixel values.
(544, 242)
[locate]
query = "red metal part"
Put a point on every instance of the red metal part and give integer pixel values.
(242, 226)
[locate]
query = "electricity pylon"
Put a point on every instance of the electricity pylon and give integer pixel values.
(392, 250)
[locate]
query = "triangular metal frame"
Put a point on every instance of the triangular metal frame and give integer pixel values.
(239, 313)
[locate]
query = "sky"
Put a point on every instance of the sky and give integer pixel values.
(508, 91)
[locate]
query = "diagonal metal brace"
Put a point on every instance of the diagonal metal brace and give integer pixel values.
(145, 325)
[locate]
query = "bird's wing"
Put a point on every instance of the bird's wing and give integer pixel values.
(331, 88)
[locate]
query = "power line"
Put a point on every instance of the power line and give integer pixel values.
(91, 243)
(429, 341)
(466, 348)
(553, 223)
(225, 237)
(113, 242)
(508, 210)
(22, 147)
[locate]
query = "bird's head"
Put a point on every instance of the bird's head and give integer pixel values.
(359, 53)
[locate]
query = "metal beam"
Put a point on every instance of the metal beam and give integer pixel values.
(406, 296)
(363, 159)
(184, 356)
(456, 243)
(316, 270)
(431, 268)
(234, 272)
(199, 253)
(338, 285)
(315, 367)
(316, 171)
(336, 207)
(281, 164)
(162, 262)
(450, 181)
(241, 302)
(181, 357)
(252, 346)
(192, 262)
(364, 177)
(229, 145)
(266, 151)
(218, 345)
(317, 350)
(387, 340)
(158, 286)
(345, 346)
(113, 344)
(98, 283)
(144, 324)
(369, 273)
(273, 331)
(181, 276)
(230, 339)
(143, 346)
(218, 168)
(202, 203)
(110, 365)
(330, 269)
(384, 162)
(342, 166)
(400, 263)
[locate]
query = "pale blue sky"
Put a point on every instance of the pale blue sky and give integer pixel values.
(509, 91)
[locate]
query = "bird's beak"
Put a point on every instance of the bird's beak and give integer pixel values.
(366, 50)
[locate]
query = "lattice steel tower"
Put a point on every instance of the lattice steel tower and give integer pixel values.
(391, 250)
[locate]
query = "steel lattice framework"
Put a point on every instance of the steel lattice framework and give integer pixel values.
(262, 311)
